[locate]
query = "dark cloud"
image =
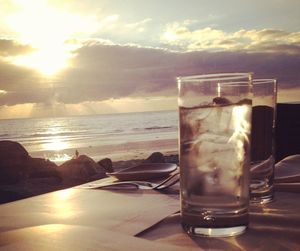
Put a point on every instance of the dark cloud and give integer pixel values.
(275, 48)
(22, 85)
(102, 72)
(11, 48)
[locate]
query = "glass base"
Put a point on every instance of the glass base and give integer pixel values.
(256, 199)
(261, 196)
(261, 184)
(214, 232)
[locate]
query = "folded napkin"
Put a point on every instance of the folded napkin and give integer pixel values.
(287, 174)
(288, 170)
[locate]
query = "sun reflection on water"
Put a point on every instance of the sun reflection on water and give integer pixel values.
(58, 157)
(55, 144)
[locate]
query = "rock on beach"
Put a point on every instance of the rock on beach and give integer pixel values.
(80, 170)
(13, 162)
(23, 176)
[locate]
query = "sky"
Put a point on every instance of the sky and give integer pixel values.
(66, 58)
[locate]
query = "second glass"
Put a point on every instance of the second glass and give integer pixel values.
(262, 146)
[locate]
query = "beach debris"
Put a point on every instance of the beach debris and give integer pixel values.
(106, 163)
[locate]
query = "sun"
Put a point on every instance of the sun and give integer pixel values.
(46, 29)
(47, 61)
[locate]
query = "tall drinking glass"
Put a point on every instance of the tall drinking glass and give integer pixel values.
(262, 147)
(215, 127)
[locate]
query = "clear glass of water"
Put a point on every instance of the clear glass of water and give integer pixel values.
(262, 146)
(215, 126)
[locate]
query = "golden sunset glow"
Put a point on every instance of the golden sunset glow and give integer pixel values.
(65, 58)
(46, 29)
(62, 205)
(45, 61)
(55, 144)
(63, 195)
(58, 157)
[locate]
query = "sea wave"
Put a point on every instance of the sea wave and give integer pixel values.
(158, 127)
(95, 131)
(54, 134)
(151, 128)
(64, 135)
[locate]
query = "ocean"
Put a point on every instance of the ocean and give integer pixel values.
(116, 136)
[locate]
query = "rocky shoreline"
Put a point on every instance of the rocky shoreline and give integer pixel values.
(22, 176)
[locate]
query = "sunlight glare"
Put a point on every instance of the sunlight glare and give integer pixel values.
(170, 36)
(58, 157)
(63, 195)
(55, 144)
(47, 62)
(242, 127)
(47, 29)
(62, 205)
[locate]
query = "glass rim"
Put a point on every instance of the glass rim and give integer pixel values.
(234, 84)
(258, 81)
(216, 76)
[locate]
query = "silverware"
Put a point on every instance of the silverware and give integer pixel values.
(135, 184)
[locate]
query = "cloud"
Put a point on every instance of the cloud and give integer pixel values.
(115, 27)
(114, 71)
(138, 26)
(181, 36)
(106, 71)
(10, 47)
(20, 85)
(113, 23)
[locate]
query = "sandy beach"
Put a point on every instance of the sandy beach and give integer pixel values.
(124, 151)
